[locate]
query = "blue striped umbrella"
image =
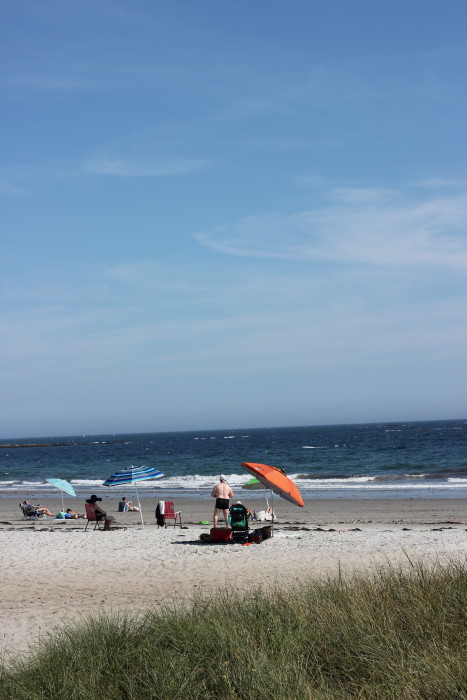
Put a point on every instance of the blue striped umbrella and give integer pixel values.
(63, 486)
(132, 475)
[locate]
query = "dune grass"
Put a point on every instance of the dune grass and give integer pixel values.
(388, 633)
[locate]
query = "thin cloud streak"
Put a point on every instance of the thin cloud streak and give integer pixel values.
(310, 338)
(365, 227)
(124, 168)
(8, 188)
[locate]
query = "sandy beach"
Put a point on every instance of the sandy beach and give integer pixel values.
(54, 573)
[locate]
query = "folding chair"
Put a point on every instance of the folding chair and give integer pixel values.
(171, 514)
(91, 517)
(30, 511)
(239, 522)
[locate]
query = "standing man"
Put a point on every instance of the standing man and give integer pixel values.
(222, 492)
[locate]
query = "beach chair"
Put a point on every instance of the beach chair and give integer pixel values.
(239, 522)
(91, 517)
(171, 514)
(29, 511)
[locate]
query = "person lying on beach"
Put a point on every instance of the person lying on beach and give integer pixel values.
(71, 514)
(40, 510)
(100, 513)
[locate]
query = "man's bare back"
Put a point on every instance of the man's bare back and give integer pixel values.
(222, 490)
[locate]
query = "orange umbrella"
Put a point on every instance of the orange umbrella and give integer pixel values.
(275, 479)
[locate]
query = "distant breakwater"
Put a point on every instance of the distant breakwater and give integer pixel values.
(63, 444)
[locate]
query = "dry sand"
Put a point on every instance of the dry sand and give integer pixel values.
(53, 573)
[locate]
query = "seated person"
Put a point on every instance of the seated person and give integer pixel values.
(27, 507)
(250, 514)
(100, 513)
(40, 510)
(267, 514)
(125, 505)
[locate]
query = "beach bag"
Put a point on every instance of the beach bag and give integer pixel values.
(220, 534)
(256, 537)
(61, 515)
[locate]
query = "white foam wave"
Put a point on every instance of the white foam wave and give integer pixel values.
(86, 482)
(204, 483)
(351, 480)
(390, 487)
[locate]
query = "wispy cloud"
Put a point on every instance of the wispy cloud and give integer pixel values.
(358, 195)
(49, 82)
(55, 338)
(24, 178)
(127, 168)
(9, 188)
(441, 183)
(370, 226)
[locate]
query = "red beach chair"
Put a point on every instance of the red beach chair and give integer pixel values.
(91, 517)
(171, 514)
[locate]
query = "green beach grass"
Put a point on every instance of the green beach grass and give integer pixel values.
(388, 633)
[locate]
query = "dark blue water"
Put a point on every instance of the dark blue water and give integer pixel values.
(368, 459)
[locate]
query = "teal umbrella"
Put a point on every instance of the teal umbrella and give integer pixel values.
(64, 486)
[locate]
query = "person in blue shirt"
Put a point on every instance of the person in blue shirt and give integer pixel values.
(71, 514)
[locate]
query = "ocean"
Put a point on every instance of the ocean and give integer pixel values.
(410, 460)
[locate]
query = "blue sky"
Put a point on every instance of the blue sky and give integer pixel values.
(221, 215)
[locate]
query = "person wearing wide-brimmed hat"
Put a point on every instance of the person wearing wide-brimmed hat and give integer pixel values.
(100, 513)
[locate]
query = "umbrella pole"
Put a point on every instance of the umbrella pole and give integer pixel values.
(139, 504)
(63, 505)
(272, 514)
